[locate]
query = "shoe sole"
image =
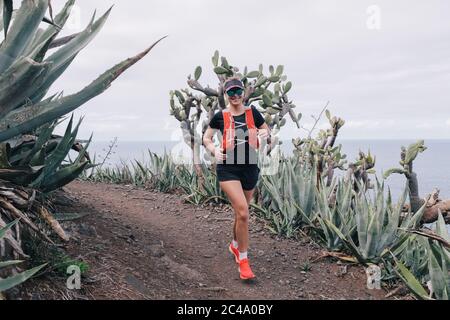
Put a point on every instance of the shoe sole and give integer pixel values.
(231, 251)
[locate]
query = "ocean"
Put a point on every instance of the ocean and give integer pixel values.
(431, 166)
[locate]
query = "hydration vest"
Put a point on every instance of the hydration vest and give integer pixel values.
(229, 130)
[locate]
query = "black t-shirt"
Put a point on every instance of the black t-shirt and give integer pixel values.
(242, 152)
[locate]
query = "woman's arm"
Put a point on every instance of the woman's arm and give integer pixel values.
(209, 144)
(264, 132)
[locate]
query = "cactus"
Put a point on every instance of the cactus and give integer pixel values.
(361, 169)
(322, 149)
(270, 91)
(434, 205)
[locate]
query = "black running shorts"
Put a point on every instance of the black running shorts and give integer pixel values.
(247, 174)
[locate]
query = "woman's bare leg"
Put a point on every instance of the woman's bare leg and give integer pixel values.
(235, 193)
(248, 195)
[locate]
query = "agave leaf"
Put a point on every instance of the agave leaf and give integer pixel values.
(25, 119)
(62, 58)
(67, 52)
(17, 83)
(441, 227)
(21, 33)
(13, 281)
(362, 221)
(7, 227)
(348, 242)
(54, 160)
(53, 30)
(43, 137)
(64, 176)
(438, 272)
(51, 77)
(7, 10)
(410, 281)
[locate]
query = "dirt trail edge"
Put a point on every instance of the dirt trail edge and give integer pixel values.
(141, 244)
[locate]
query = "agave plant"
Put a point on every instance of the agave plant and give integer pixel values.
(27, 71)
(413, 254)
(438, 265)
(39, 161)
(31, 60)
(188, 182)
(10, 282)
(334, 204)
(379, 225)
(288, 196)
(162, 170)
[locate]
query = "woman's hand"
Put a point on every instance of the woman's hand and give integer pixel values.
(263, 134)
(219, 155)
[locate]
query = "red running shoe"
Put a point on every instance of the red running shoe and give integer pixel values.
(234, 251)
(245, 270)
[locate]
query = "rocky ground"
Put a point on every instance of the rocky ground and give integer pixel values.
(140, 244)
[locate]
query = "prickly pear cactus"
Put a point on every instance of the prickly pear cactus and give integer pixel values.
(267, 91)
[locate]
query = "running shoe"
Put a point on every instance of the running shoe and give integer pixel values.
(245, 270)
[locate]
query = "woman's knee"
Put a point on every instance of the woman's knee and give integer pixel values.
(241, 211)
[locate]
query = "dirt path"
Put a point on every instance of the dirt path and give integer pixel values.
(148, 245)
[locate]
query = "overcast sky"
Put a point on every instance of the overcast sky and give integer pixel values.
(387, 77)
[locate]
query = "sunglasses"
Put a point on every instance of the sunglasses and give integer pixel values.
(235, 92)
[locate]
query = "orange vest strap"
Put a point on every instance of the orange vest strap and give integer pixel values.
(229, 129)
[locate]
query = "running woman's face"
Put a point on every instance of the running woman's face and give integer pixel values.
(235, 96)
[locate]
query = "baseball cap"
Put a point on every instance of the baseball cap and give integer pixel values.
(233, 83)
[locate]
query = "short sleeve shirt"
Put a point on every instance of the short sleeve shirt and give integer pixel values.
(242, 152)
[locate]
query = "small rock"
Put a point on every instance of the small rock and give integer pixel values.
(156, 251)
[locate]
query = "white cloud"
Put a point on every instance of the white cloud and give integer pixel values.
(380, 82)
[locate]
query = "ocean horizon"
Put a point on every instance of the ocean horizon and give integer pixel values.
(431, 166)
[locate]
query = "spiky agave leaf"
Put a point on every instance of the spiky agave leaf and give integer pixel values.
(11, 282)
(27, 118)
(17, 83)
(22, 31)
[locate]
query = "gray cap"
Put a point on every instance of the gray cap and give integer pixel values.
(233, 83)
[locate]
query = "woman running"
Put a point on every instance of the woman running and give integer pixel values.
(237, 168)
